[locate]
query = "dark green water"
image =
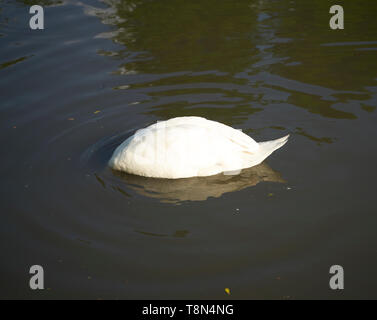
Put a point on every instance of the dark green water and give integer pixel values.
(102, 69)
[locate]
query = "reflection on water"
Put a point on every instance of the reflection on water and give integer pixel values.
(187, 36)
(227, 60)
(198, 188)
(102, 69)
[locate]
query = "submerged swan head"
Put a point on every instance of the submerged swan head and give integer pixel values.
(186, 147)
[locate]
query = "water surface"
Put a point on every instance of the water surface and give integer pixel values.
(102, 69)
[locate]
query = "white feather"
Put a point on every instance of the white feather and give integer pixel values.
(186, 147)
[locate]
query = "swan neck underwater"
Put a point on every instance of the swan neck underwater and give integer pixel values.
(185, 147)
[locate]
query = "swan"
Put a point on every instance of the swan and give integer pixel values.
(185, 147)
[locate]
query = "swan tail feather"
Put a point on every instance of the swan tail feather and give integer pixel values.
(268, 147)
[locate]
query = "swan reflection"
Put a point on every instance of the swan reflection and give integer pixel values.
(197, 188)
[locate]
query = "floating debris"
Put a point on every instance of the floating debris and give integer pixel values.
(227, 290)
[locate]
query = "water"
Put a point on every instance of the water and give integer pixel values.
(102, 69)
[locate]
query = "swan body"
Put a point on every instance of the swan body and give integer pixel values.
(186, 147)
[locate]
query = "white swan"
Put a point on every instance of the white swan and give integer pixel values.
(186, 147)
